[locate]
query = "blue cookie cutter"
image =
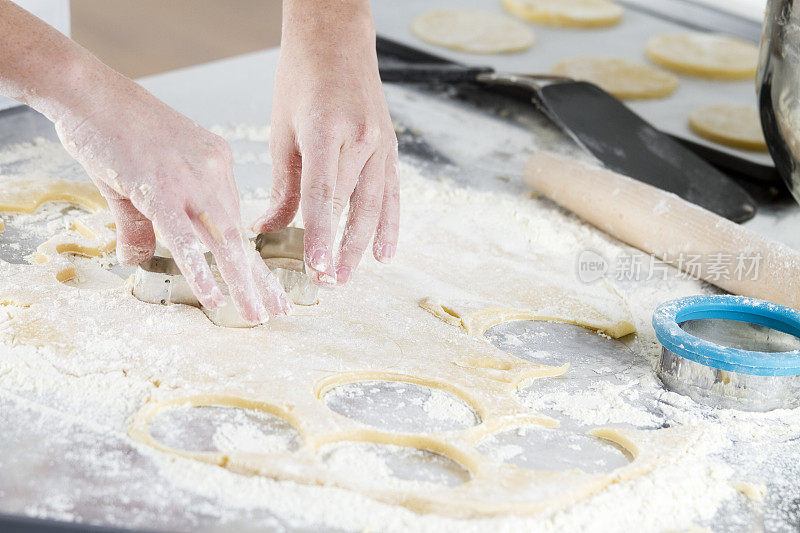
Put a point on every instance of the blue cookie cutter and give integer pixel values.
(721, 375)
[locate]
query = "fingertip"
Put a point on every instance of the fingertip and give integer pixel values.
(322, 279)
(213, 299)
(261, 224)
(283, 306)
(384, 253)
(318, 258)
(343, 274)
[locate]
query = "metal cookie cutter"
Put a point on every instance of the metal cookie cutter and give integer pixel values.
(729, 351)
(159, 280)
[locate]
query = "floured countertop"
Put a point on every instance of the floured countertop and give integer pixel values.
(71, 459)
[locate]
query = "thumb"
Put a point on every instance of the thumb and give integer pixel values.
(136, 241)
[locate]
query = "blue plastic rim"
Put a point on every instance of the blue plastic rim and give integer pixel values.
(668, 317)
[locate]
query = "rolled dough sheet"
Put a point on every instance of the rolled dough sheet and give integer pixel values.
(572, 13)
(704, 55)
(476, 32)
(475, 254)
(622, 78)
(733, 125)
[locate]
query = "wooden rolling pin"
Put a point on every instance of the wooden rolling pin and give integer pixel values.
(670, 228)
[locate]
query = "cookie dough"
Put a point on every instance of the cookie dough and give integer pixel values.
(624, 79)
(483, 265)
(704, 55)
(571, 13)
(735, 125)
(475, 32)
(26, 195)
(91, 234)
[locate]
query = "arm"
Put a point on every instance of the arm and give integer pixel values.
(156, 168)
(332, 140)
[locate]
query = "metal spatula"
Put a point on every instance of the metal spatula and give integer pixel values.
(606, 128)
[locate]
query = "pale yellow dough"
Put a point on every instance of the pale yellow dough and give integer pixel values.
(571, 13)
(471, 31)
(735, 125)
(92, 234)
(379, 327)
(704, 55)
(622, 78)
(27, 195)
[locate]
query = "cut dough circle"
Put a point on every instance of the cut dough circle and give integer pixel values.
(733, 125)
(476, 32)
(571, 13)
(620, 77)
(704, 55)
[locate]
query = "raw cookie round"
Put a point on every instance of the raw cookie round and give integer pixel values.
(704, 55)
(471, 31)
(731, 124)
(573, 13)
(620, 77)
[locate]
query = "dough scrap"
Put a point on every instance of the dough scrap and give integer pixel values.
(542, 306)
(471, 31)
(755, 492)
(624, 79)
(704, 55)
(738, 126)
(27, 195)
(570, 13)
(91, 235)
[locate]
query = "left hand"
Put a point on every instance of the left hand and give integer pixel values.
(332, 140)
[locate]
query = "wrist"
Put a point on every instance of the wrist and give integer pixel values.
(76, 88)
(328, 25)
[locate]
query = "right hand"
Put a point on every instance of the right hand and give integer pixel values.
(159, 170)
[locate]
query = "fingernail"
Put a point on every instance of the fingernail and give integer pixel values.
(387, 253)
(327, 278)
(318, 259)
(343, 274)
(259, 224)
(286, 306)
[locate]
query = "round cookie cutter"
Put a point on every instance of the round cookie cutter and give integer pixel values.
(159, 280)
(730, 351)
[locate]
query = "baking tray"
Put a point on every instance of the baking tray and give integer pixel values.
(626, 40)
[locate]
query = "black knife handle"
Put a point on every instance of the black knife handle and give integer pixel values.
(421, 73)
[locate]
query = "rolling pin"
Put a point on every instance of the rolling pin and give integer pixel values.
(668, 227)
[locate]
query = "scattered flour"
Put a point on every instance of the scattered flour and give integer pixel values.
(91, 391)
(248, 438)
(442, 405)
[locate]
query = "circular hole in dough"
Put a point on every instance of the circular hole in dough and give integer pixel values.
(401, 406)
(733, 125)
(589, 354)
(540, 448)
(571, 13)
(622, 78)
(471, 31)
(704, 55)
(215, 428)
(368, 464)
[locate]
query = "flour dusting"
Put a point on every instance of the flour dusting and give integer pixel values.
(72, 397)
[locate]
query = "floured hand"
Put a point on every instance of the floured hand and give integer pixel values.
(161, 171)
(332, 140)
